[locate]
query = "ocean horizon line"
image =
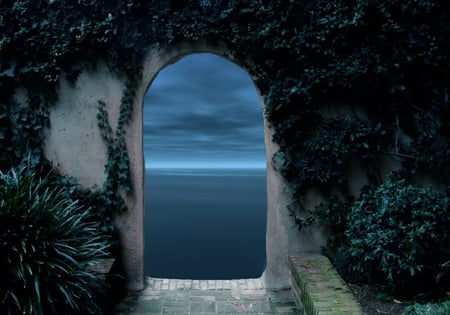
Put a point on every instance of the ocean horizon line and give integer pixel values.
(210, 171)
(206, 167)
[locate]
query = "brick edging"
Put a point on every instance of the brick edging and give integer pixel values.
(316, 283)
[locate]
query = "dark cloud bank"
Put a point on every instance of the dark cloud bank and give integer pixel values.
(203, 111)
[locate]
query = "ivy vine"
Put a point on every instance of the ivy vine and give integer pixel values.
(388, 61)
(117, 166)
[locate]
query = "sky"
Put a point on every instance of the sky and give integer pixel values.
(203, 112)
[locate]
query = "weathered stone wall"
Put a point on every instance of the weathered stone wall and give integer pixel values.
(74, 146)
(73, 142)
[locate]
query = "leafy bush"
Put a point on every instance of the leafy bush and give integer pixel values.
(47, 245)
(428, 309)
(398, 235)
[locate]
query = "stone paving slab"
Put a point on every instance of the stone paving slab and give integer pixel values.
(203, 297)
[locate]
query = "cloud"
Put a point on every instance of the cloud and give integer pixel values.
(203, 110)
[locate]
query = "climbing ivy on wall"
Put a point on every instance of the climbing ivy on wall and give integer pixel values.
(387, 62)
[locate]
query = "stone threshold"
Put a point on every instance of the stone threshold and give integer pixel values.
(202, 297)
(162, 284)
(317, 285)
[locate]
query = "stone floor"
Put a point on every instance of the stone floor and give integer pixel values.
(171, 296)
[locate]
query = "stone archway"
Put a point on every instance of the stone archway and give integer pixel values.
(281, 236)
(74, 145)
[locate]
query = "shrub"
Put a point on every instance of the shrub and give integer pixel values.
(428, 309)
(398, 235)
(47, 246)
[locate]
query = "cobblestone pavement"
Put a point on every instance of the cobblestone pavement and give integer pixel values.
(171, 296)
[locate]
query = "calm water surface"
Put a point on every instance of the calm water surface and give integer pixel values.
(205, 223)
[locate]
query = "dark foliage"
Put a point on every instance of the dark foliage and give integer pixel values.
(428, 309)
(397, 236)
(47, 243)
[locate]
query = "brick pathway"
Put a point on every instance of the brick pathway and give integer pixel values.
(247, 296)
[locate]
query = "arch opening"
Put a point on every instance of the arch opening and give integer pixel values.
(205, 196)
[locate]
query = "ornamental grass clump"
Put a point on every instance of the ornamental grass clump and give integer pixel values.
(399, 236)
(47, 244)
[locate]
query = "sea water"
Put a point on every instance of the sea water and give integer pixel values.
(205, 223)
